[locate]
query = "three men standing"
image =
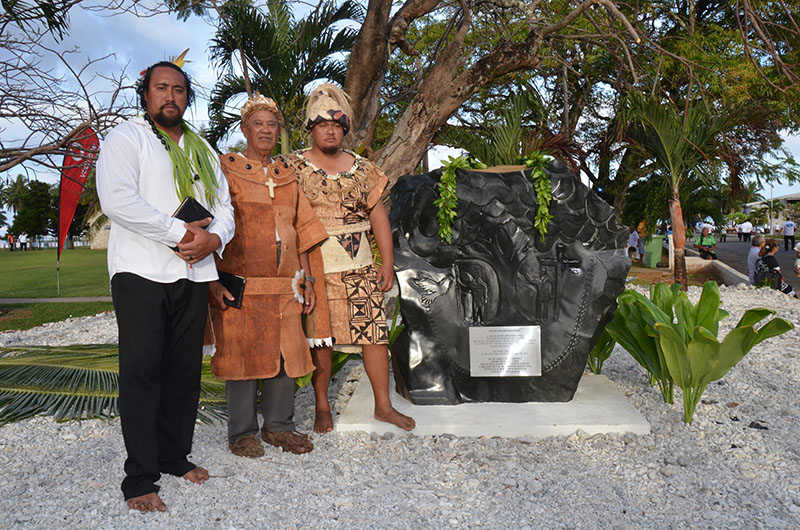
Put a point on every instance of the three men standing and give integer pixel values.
(146, 167)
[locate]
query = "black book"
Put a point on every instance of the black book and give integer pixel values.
(191, 210)
(235, 285)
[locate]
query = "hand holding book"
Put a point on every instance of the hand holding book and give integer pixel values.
(197, 243)
(194, 214)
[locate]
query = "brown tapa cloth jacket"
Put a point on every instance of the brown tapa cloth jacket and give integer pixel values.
(250, 340)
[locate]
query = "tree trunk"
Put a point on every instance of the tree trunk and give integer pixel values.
(285, 147)
(438, 95)
(367, 67)
(446, 87)
(679, 239)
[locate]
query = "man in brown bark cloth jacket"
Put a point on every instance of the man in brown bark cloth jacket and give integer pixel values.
(345, 190)
(263, 339)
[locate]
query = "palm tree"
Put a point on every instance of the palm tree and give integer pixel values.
(12, 193)
(281, 56)
(506, 139)
(751, 191)
(678, 145)
(93, 218)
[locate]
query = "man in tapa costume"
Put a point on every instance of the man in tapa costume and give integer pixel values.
(263, 339)
(345, 189)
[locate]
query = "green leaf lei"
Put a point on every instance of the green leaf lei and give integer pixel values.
(447, 203)
(541, 185)
(195, 160)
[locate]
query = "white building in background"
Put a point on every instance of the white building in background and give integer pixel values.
(786, 200)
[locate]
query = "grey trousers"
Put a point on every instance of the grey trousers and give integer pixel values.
(277, 405)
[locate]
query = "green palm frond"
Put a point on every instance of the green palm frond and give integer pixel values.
(76, 383)
(283, 54)
(679, 142)
(501, 142)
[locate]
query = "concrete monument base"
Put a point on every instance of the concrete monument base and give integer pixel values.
(598, 407)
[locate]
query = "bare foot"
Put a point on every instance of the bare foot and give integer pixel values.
(390, 415)
(147, 503)
(198, 475)
(323, 421)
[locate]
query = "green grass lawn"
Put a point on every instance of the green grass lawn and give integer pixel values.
(32, 274)
(26, 316)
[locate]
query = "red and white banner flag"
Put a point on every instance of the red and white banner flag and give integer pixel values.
(77, 164)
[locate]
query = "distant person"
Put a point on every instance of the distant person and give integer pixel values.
(788, 234)
(768, 271)
(10, 239)
(797, 259)
(642, 230)
(23, 241)
(747, 228)
(147, 166)
(752, 257)
(633, 243)
(705, 244)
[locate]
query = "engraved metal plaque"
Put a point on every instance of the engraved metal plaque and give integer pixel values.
(505, 351)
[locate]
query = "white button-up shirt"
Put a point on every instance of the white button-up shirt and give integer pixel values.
(136, 187)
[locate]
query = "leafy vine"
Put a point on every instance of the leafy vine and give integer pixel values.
(536, 161)
(447, 202)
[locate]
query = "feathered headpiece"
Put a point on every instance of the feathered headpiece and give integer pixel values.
(177, 60)
(259, 102)
(328, 103)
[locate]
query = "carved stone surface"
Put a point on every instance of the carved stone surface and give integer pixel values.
(499, 272)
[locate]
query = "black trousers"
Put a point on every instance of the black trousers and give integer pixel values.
(788, 242)
(160, 354)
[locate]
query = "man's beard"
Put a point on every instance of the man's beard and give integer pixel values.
(329, 150)
(164, 121)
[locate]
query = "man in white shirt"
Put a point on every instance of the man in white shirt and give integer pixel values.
(23, 241)
(747, 228)
(788, 234)
(145, 168)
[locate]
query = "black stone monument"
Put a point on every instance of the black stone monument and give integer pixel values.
(499, 272)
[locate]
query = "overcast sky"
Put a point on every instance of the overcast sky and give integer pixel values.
(138, 42)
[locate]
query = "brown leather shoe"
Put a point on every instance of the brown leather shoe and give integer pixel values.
(289, 441)
(248, 446)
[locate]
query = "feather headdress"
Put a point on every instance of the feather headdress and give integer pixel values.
(328, 102)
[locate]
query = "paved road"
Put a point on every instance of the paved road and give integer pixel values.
(48, 300)
(734, 253)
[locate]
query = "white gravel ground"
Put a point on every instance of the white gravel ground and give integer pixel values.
(719, 472)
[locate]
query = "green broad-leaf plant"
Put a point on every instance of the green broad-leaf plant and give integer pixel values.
(600, 352)
(633, 327)
(676, 341)
(693, 353)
